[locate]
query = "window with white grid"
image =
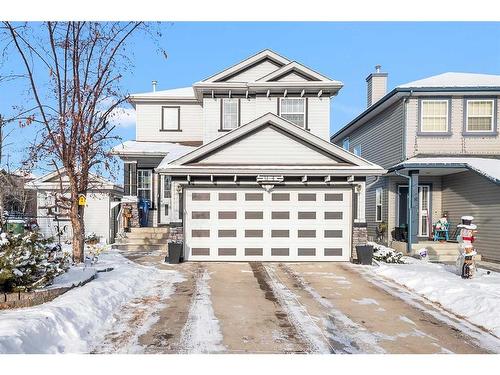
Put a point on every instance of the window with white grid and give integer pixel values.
(229, 113)
(378, 204)
(480, 115)
(434, 116)
(294, 110)
(144, 183)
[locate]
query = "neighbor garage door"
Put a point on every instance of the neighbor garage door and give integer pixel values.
(282, 225)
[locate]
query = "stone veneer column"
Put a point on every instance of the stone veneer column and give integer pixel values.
(359, 237)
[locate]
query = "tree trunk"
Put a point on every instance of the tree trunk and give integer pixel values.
(78, 231)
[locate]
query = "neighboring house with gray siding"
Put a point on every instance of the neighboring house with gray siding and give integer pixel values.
(438, 138)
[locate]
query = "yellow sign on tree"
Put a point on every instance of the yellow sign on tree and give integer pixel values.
(82, 201)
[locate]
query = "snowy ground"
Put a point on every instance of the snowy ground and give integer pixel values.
(477, 300)
(77, 321)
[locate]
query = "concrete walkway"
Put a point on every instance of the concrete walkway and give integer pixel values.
(295, 308)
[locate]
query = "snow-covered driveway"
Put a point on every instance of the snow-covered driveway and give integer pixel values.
(150, 307)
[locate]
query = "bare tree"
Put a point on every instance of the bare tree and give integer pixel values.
(74, 71)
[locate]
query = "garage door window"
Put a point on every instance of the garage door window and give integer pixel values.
(253, 233)
(306, 233)
(306, 215)
(277, 215)
(254, 214)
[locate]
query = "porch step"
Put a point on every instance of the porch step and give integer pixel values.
(148, 230)
(140, 241)
(449, 258)
(137, 247)
(139, 235)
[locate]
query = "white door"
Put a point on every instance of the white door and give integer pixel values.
(251, 224)
(165, 204)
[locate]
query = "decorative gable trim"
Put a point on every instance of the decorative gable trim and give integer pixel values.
(246, 64)
(297, 68)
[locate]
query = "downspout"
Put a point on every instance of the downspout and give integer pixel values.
(408, 209)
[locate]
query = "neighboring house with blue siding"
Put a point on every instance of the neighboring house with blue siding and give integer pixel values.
(438, 136)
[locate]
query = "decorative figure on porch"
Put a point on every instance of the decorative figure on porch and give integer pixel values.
(441, 229)
(127, 215)
(465, 263)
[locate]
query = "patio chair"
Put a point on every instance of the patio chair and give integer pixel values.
(443, 233)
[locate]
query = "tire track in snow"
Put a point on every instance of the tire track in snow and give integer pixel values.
(343, 334)
(298, 315)
(201, 333)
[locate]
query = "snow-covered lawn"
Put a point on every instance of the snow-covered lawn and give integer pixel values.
(477, 299)
(75, 321)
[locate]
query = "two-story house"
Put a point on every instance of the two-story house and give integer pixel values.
(438, 138)
(243, 163)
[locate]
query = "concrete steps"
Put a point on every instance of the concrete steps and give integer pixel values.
(143, 239)
(440, 251)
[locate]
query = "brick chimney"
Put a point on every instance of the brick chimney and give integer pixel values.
(376, 84)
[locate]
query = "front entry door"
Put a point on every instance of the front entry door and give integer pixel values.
(424, 218)
(165, 199)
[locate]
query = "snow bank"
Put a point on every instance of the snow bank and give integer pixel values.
(477, 300)
(73, 322)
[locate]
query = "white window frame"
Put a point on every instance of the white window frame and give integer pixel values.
(492, 116)
(150, 184)
(223, 117)
(378, 203)
(357, 150)
(169, 128)
(303, 113)
(346, 144)
(447, 116)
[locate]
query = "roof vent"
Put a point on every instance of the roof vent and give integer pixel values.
(154, 83)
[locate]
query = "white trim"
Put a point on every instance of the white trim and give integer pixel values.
(492, 116)
(447, 113)
(379, 201)
(303, 113)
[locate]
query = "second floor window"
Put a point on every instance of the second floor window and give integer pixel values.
(480, 115)
(294, 110)
(357, 150)
(434, 116)
(170, 120)
(345, 144)
(229, 113)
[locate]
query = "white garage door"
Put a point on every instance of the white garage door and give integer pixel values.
(251, 224)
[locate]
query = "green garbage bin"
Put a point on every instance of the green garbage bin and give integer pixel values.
(15, 226)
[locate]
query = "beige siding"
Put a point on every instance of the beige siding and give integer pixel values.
(318, 119)
(468, 193)
(149, 123)
(292, 77)
(254, 73)
(265, 105)
(453, 144)
(211, 119)
(260, 148)
(247, 110)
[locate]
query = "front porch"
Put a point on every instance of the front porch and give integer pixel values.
(423, 190)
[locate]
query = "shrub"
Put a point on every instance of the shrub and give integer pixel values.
(27, 263)
(386, 254)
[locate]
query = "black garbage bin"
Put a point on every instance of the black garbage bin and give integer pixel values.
(365, 254)
(174, 252)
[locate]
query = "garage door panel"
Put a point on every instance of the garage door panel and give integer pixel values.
(250, 224)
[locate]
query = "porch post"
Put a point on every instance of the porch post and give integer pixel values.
(413, 209)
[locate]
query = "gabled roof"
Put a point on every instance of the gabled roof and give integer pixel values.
(296, 68)
(448, 82)
(266, 54)
(51, 181)
(341, 161)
